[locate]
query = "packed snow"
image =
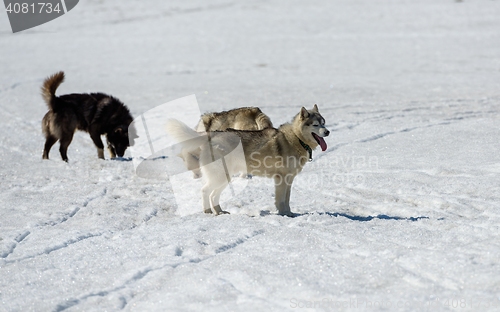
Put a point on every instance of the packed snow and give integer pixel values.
(400, 213)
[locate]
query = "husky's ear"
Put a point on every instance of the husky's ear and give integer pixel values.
(315, 108)
(304, 113)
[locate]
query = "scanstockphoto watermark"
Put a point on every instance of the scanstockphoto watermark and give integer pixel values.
(453, 304)
(347, 162)
(362, 304)
(332, 171)
(336, 162)
(339, 170)
(26, 14)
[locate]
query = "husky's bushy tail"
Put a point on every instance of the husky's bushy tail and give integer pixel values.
(183, 134)
(262, 120)
(49, 88)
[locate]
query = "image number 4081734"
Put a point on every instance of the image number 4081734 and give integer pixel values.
(26, 14)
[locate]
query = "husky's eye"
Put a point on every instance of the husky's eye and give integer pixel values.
(315, 125)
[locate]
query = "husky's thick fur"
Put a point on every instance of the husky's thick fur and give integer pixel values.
(244, 118)
(274, 153)
(96, 113)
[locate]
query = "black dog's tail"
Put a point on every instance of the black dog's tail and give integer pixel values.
(50, 86)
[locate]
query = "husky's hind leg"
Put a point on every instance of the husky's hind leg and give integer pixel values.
(210, 196)
(49, 142)
(211, 191)
(215, 197)
(206, 190)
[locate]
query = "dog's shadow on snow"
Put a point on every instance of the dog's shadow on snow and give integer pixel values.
(121, 159)
(369, 218)
(130, 158)
(350, 217)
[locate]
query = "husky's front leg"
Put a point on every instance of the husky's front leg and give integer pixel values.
(287, 197)
(281, 201)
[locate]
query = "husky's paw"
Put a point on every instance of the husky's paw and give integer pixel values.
(219, 211)
(287, 214)
(208, 210)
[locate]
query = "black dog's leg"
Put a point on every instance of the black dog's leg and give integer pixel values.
(111, 150)
(49, 142)
(63, 147)
(96, 137)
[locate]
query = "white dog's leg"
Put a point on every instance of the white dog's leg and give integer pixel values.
(100, 153)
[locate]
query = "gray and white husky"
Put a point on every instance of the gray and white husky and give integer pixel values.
(274, 153)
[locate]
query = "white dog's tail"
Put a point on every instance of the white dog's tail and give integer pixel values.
(187, 137)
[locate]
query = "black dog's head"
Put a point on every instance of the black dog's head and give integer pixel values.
(118, 140)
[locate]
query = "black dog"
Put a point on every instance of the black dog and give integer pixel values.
(95, 113)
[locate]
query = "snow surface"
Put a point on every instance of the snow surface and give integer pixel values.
(401, 213)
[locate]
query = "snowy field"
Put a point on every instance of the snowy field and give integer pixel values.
(401, 213)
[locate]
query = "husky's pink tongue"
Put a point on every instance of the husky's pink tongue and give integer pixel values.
(320, 141)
